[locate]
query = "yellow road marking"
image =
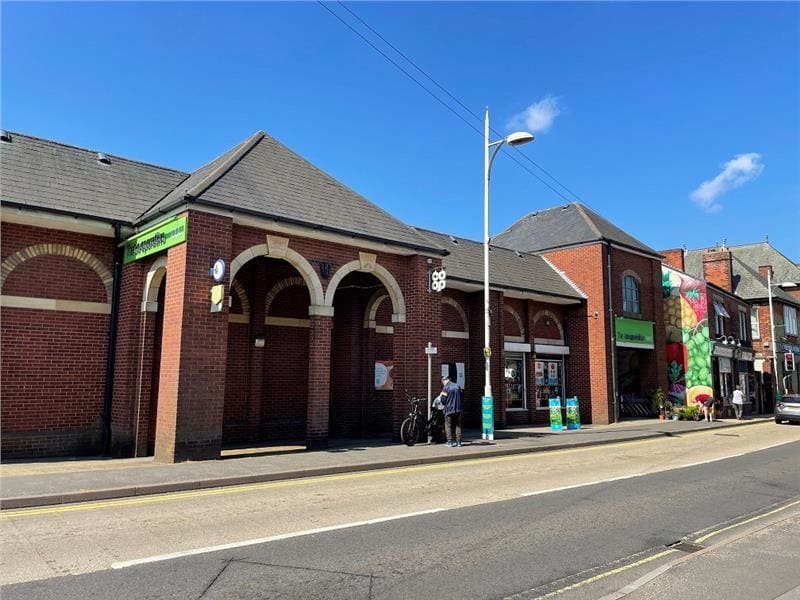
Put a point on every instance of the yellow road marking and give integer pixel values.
(702, 539)
(605, 574)
(236, 489)
(699, 540)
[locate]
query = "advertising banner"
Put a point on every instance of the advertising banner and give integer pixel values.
(164, 235)
(555, 414)
(538, 369)
(573, 414)
(487, 417)
(552, 373)
(383, 375)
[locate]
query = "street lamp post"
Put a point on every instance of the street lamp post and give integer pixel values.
(775, 361)
(515, 139)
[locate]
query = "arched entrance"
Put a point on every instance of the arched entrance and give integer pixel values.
(273, 290)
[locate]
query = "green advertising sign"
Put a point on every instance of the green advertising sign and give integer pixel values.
(556, 424)
(632, 333)
(160, 237)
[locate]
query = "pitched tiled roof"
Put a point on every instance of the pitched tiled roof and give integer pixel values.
(746, 259)
(507, 268)
(43, 174)
(563, 226)
(261, 176)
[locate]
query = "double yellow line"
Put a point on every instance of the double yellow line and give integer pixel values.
(237, 489)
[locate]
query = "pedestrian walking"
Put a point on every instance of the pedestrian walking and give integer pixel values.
(453, 405)
(738, 402)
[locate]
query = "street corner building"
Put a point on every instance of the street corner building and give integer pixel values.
(149, 311)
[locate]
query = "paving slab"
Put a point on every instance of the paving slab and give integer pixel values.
(48, 482)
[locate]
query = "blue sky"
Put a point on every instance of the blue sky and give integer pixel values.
(678, 122)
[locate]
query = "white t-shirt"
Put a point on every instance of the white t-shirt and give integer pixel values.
(738, 397)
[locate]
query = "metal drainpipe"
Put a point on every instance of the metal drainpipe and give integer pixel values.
(613, 337)
(112, 340)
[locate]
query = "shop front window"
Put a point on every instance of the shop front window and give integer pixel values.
(549, 379)
(515, 381)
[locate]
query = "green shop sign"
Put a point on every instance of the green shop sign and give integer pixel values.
(632, 333)
(165, 235)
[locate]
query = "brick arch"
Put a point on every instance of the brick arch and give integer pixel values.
(517, 319)
(238, 289)
(278, 288)
(278, 248)
(541, 314)
(454, 303)
(90, 260)
(384, 276)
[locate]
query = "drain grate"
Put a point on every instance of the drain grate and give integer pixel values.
(685, 546)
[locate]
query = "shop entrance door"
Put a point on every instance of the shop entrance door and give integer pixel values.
(549, 374)
(515, 381)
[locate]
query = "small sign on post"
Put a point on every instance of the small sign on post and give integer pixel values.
(487, 418)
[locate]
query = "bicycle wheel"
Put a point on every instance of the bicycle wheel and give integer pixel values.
(409, 431)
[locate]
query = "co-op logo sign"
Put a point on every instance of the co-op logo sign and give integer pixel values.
(438, 280)
(164, 235)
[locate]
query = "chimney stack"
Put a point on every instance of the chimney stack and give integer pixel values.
(674, 258)
(718, 268)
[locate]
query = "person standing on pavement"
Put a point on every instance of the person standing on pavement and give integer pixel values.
(738, 402)
(453, 406)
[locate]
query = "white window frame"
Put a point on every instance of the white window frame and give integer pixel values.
(743, 324)
(755, 326)
(521, 356)
(631, 296)
(790, 320)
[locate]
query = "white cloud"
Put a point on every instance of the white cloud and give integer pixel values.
(538, 117)
(741, 169)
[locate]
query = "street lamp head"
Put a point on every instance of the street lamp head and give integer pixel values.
(518, 138)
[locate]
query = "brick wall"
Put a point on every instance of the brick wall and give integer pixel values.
(53, 362)
(588, 370)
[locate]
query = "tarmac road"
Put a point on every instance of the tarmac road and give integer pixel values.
(486, 541)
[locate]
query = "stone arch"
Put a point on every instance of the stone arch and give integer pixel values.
(152, 282)
(452, 302)
(373, 304)
(517, 319)
(541, 314)
(277, 247)
(90, 260)
(278, 288)
(367, 264)
(238, 289)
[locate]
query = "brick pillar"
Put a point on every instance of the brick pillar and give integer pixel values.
(423, 324)
(255, 378)
(143, 388)
(194, 351)
(319, 379)
(127, 359)
(497, 364)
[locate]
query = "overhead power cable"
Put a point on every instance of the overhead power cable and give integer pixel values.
(448, 93)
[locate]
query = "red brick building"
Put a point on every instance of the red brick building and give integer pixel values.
(117, 337)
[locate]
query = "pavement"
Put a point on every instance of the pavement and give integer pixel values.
(59, 481)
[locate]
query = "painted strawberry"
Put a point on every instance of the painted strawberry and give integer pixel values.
(695, 294)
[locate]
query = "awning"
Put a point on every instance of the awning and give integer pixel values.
(720, 310)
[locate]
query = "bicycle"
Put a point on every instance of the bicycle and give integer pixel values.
(416, 422)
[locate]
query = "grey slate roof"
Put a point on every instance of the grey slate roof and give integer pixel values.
(43, 174)
(507, 268)
(562, 226)
(262, 176)
(747, 283)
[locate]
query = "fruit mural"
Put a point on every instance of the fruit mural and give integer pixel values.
(688, 347)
